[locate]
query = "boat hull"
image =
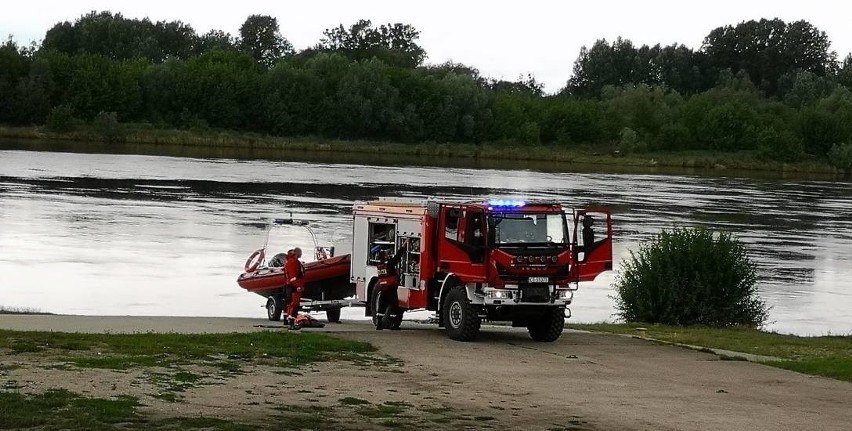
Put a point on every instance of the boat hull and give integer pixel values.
(324, 280)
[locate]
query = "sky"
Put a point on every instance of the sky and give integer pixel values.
(504, 40)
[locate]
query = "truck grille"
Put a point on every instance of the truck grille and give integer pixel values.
(535, 293)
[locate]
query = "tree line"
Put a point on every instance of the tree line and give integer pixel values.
(767, 86)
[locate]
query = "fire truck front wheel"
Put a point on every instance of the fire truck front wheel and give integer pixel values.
(548, 328)
(460, 316)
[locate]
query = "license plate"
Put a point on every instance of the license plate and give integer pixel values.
(539, 280)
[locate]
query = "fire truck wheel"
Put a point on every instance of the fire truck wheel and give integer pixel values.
(549, 328)
(274, 306)
(332, 315)
(460, 316)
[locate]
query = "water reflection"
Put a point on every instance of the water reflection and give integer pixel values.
(137, 234)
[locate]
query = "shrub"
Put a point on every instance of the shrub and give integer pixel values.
(690, 277)
(781, 145)
(107, 126)
(629, 142)
(840, 156)
(61, 119)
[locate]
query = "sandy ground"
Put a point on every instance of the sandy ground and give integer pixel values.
(502, 381)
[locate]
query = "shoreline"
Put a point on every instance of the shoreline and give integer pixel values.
(207, 143)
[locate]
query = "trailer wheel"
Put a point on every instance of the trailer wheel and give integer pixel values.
(274, 307)
(332, 315)
(460, 316)
(549, 327)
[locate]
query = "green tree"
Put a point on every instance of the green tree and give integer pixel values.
(214, 40)
(642, 108)
(173, 39)
(802, 88)
(14, 65)
(767, 49)
(571, 121)
(826, 123)
(844, 73)
(366, 100)
(604, 64)
(116, 37)
(523, 85)
(394, 44)
(292, 100)
(260, 37)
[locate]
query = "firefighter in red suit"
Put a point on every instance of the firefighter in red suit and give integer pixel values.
(388, 284)
(296, 281)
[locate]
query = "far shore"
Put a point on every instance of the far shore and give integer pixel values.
(212, 143)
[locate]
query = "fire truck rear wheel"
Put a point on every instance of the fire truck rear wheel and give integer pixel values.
(274, 307)
(549, 327)
(460, 316)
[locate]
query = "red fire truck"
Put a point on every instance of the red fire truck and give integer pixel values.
(501, 260)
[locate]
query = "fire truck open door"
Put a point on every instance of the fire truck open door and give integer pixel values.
(592, 244)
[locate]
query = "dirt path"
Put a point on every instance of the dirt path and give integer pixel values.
(582, 381)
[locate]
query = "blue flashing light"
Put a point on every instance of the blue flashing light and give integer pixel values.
(502, 203)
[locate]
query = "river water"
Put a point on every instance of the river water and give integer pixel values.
(124, 234)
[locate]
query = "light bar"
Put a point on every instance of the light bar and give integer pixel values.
(506, 203)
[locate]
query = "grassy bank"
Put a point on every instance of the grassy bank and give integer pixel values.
(214, 142)
(169, 364)
(230, 351)
(829, 356)
(61, 409)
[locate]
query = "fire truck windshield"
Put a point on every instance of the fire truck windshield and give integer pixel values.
(521, 228)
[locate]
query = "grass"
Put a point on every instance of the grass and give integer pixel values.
(166, 354)
(387, 410)
(61, 409)
(221, 143)
(305, 416)
(828, 356)
(123, 351)
(352, 401)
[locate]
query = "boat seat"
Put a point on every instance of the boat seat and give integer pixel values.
(277, 261)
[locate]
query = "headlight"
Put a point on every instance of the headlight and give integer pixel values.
(565, 294)
(554, 259)
(519, 259)
(498, 294)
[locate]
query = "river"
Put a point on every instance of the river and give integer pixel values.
(125, 234)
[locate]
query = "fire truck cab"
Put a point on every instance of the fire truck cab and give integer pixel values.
(501, 260)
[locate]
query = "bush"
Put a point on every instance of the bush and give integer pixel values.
(690, 277)
(61, 119)
(107, 126)
(629, 142)
(782, 146)
(840, 156)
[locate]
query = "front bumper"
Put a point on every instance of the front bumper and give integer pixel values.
(530, 295)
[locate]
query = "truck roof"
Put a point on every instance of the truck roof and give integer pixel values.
(392, 207)
(400, 206)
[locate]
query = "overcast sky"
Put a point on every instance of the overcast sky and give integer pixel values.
(501, 39)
